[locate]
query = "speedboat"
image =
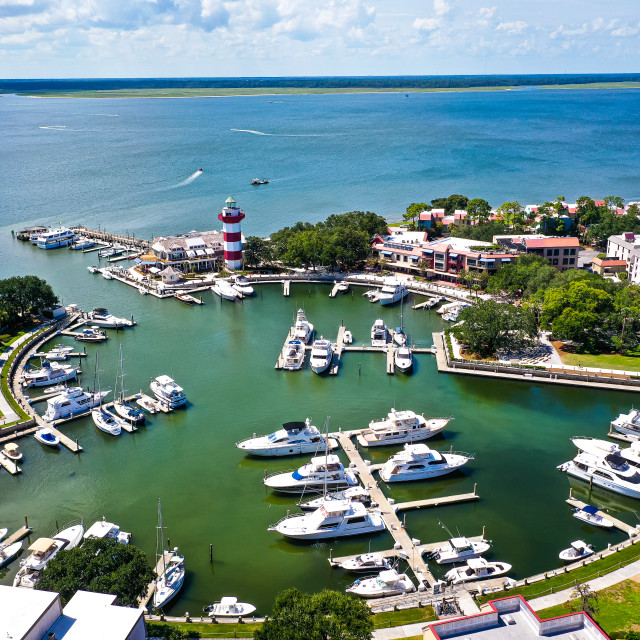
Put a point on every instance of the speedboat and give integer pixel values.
(46, 436)
(459, 549)
(334, 519)
(59, 352)
(399, 336)
(386, 583)
(93, 269)
(170, 580)
(400, 427)
(392, 291)
(82, 242)
(366, 562)
(72, 401)
(352, 494)
(223, 289)
(111, 252)
(55, 238)
(347, 337)
(50, 373)
(293, 439)
(242, 285)
(590, 515)
(302, 330)
(628, 423)
(168, 392)
(578, 550)
(419, 462)
(42, 551)
(148, 404)
(322, 473)
(343, 287)
(476, 569)
(106, 421)
(403, 359)
(258, 181)
(108, 531)
(229, 607)
(106, 274)
(372, 294)
(379, 334)
(294, 355)
(12, 451)
(100, 317)
(91, 335)
(9, 552)
(321, 355)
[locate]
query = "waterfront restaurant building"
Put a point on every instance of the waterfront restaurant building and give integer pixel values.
(193, 251)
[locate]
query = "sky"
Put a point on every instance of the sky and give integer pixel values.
(181, 38)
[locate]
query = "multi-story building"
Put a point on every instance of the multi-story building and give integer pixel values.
(608, 266)
(626, 247)
(562, 253)
(193, 251)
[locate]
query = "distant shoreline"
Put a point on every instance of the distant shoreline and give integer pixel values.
(238, 92)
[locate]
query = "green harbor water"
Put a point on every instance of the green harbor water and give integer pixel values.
(223, 354)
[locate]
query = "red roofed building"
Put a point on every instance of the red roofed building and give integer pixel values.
(608, 266)
(562, 253)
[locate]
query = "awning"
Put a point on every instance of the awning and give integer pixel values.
(387, 253)
(486, 260)
(427, 251)
(191, 254)
(200, 252)
(416, 258)
(453, 255)
(154, 270)
(506, 259)
(137, 260)
(209, 251)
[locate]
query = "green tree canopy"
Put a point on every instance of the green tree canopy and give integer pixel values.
(22, 295)
(450, 204)
(256, 251)
(483, 231)
(414, 210)
(102, 566)
(524, 278)
(324, 615)
(479, 209)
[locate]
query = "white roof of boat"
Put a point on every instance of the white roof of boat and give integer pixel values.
(390, 575)
(229, 600)
(165, 380)
(459, 542)
(477, 563)
(99, 529)
(579, 544)
(42, 544)
(420, 448)
(331, 459)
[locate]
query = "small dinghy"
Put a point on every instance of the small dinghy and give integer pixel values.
(229, 607)
(46, 436)
(12, 452)
(367, 562)
(578, 550)
(590, 515)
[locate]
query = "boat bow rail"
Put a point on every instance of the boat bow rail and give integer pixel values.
(279, 473)
(287, 517)
(72, 523)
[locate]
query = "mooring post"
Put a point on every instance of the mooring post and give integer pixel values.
(475, 488)
(210, 552)
(26, 522)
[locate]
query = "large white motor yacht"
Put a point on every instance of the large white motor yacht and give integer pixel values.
(293, 439)
(223, 289)
(400, 427)
(72, 401)
(167, 391)
(242, 285)
(458, 550)
(419, 462)
(628, 423)
(50, 373)
(403, 359)
(353, 494)
(323, 472)
(100, 317)
(334, 519)
(386, 583)
(303, 329)
(366, 563)
(392, 291)
(42, 551)
(379, 334)
(476, 569)
(170, 580)
(599, 447)
(55, 238)
(59, 352)
(108, 531)
(294, 355)
(321, 355)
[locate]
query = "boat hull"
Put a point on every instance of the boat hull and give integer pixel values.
(330, 533)
(599, 481)
(288, 450)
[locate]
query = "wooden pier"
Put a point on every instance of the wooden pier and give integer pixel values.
(427, 304)
(334, 290)
(65, 441)
(159, 406)
(111, 238)
(618, 524)
(438, 502)
(144, 600)
(286, 286)
(43, 354)
(616, 435)
(391, 352)
(9, 465)
(18, 535)
(339, 348)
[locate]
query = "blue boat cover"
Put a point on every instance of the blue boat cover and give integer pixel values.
(589, 509)
(296, 475)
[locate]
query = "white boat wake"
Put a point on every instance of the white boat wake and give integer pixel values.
(58, 127)
(283, 135)
(257, 133)
(189, 180)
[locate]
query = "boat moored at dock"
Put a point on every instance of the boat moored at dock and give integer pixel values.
(321, 355)
(9, 552)
(403, 359)
(59, 352)
(229, 607)
(302, 330)
(419, 462)
(578, 550)
(81, 243)
(400, 427)
(628, 423)
(392, 291)
(366, 563)
(108, 531)
(352, 494)
(55, 238)
(590, 515)
(459, 549)
(47, 437)
(294, 355)
(477, 569)
(100, 317)
(379, 334)
(386, 583)
(242, 285)
(12, 451)
(49, 374)
(93, 334)
(71, 402)
(168, 392)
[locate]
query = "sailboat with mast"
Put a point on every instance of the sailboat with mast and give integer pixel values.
(103, 419)
(170, 568)
(120, 405)
(403, 356)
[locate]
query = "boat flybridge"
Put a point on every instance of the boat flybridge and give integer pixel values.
(419, 462)
(100, 317)
(366, 563)
(379, 334)
(50, 373)
(294, 355)
(598, 447)
(458, 550)
(168, 392)
(386, 583)
(334, 519)
(628, 423)
(108, 531)
(72, 401)
(242, 285)
(353, 494)
(293, 439)
(400, 427)
(322, 473)
(477, 569)
(578, 550)
(321, 355)
(302, 330)
(392, 291)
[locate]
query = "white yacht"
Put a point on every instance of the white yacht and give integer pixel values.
(293, 439)
(334, 519)
(302, 330)
(476, 569)
(55, 238)
(628, 423)
(578, 550)
(366, 563)
(419, 462)
(294, 355)
(93, 269)
(343, 287)
(322, 473)
(347, 337)
(47, 437)
(100, 317)
(599, 447)
(168, 392)
(229, 607)
(170, 580)
(50, 373)
(42, 551)
(403, 359)
(106, 273)
(321, 355)
(399, 337)
(123, 409)
(400, 427)
(59, 352)
(459, 549)
(81, 243)
(106, 421)
(392, 291)
(386, 583)
(352, 494)
(242, 285)
(72, 401)
(379, 334)
(108, 531)
(8, 553)
(223, 289)
(591, 516)
(93, 334)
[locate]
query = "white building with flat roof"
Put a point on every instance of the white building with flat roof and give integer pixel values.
(626, 247)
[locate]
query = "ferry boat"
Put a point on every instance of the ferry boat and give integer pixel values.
(108, 531)
(321, 355)
(91, 335)
(334, 519)
(71, 402)
(400, 427)
(50, 373)
(459, 549)
(242, 285)
(578, 550)
(419, 462)
(302, 330)
(55, 238)
(294, 355)
(229, 607)
(322, 473)
(392, 291)
(81, 243)
(100, 317)
(403, 359)
(293, 439)
(366, 563)
(352, 494)
(379, 334)
(628, 423)
(477, 569)
(223, 289)
(386, 583)
(168, 392)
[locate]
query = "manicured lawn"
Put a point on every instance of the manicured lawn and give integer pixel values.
(602, 361)
(399, 618)
(618, 609)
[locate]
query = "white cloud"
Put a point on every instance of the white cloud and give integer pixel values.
(625, 31)
(488, 12)
(441, 7)
(427, 24)
(512, 27)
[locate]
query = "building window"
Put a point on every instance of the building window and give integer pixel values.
(555, 261)
(404, 258)
(549, 252)
(572, 252)
(565, 260)
(572, 260)
(439, 256)
(440, 266)
(566, 252)
(556, 252)
(471, 261)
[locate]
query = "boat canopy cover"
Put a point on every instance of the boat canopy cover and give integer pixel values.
(12, 446)
(42, 544)
(589, 509)
(294, 426)
(579, 545)
(477, 563)
(229, 601)
(389, 576)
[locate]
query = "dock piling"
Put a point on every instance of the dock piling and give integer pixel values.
(210, 552)
(26, 522)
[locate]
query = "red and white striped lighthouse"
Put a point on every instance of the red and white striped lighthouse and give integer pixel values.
(231, 217)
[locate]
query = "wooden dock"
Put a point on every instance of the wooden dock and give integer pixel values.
(339, 348)
(616, 435)
(427, 304)
(437, 502)
(618, 524)
(391, 352)
(144, 600)
(43, 354)
(159, 406)
(9, 465)
(65, 441)
(334, 290)
(286, 286)
(21, 533)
